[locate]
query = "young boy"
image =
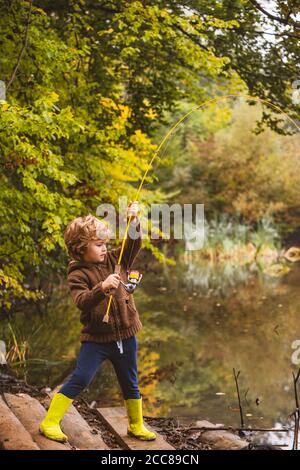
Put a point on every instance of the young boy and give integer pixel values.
(93, 275)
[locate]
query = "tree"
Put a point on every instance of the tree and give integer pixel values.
(85, 82)
(88, 84)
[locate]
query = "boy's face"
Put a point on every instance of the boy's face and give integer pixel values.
(96, 251)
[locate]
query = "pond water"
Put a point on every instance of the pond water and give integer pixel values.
(199, 322)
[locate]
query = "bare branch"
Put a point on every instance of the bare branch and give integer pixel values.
(236, 376)
(13, 76)
(286, 21)
(296, 413)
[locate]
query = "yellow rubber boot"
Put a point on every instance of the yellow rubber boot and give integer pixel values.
(50, 427)
(136, 427)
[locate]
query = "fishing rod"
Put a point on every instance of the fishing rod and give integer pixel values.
(166, 138)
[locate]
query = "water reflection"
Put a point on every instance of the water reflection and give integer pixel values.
(199, 324)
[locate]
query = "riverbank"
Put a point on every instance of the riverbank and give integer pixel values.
(215, 308)
(176, 434)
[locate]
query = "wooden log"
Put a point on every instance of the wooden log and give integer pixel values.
(30, 413)
(116, 419)
(13, 435)
(219, 440)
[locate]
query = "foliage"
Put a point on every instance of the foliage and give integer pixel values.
(88, 84)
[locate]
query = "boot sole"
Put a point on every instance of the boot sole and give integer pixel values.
(140, 438)
(52, 438)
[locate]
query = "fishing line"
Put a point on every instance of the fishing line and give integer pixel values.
(166, 138)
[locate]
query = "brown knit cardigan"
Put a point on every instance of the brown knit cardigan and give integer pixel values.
(85, 283)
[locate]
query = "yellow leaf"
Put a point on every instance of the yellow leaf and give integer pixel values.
(54, 96)
(151, 114)
(108, 103)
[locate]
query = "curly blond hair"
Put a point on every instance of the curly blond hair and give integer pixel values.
(82, 230)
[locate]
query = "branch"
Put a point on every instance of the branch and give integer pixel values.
(282, 34)
(6, 255)
(236, 376)
(296, 413)
(281, 20)
(233, 429)
(13, 76)
(191, 37)
(182, 30)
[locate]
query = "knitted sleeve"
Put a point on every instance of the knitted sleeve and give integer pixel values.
(132, 246)
(84, 297)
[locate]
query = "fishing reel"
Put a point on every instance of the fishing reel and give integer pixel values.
(134, 278)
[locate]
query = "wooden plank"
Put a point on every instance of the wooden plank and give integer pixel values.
(30, 412)
(13, 435)
(116, 419)
(79, 432)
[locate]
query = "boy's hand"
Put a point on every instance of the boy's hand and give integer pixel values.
(133, 209)
(111, 282)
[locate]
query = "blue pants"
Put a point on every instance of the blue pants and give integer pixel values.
(91, 356)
